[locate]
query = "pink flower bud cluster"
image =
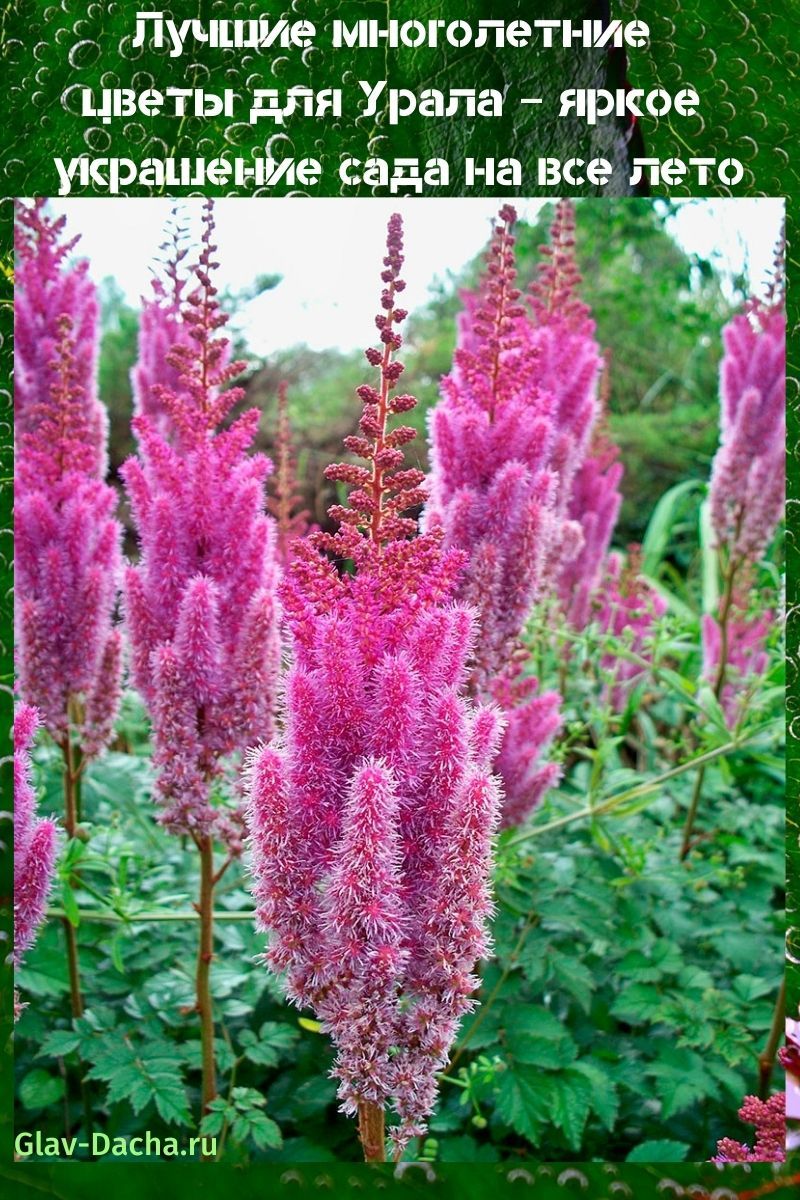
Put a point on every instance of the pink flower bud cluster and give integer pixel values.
(161, 328)
(285, 503)
(200, 605)
(35, 840)
(67, 542)
(748, 475)
(372, 815)
(627, 608)
(744, 655)
(769, 1119)
(48, 287)
(594, 505)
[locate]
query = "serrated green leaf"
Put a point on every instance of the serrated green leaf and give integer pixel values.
(59, 1043)
(523, 1101)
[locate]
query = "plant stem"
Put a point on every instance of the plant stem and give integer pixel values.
(641, 789)
(71, 770)
(766, 1060)
(205, 953)
(371, 1131)
(697, 791)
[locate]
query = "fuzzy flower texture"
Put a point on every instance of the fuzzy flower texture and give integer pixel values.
(200, 605)
(746, 494)
(34, 843)
(769, 1120)
(509, 438)
(372, 815)
(67, 543)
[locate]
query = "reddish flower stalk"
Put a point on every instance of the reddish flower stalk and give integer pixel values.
(372, 816)
(200, 605)
(285, 503)
(35, 840)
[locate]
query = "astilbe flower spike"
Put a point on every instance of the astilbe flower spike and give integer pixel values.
(47, 287)
(746, 492)
(67, 542)
(285, 502)
(594, 504)
(200, 605)
(495, 495)
(769, 1120)
(35, 840)
(372, 815)
(161, 327)
(627, 608)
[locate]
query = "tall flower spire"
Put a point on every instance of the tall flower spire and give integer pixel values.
(200, 604)
(161, 327)
(372, 816)
(67, 542)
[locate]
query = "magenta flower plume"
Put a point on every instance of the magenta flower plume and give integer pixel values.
(35, 841)
(285, 503)
(769, 1120)
(495, 494)
(47, 288)
(594, 505)
(627, 608)
(570, 361)
(67, 542)
(748, 475)
(161, 327)
(372, 815)
(744, 656)
(200, 605)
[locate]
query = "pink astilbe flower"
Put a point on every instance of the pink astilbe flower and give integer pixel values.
(372, 815)
(161, 327)
(47, 287)
(35, 841)
(745, 657)
(200, 605)
(594, 505)
(495, 494)
(67, 542)
(285, 503)
(627, 608)
(748, 475)
(570, 361)
(769, 1119)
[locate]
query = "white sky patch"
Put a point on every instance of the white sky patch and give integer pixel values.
(329, 251)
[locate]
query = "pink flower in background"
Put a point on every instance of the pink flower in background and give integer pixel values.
(769, 1119)
(67, 542)
(746, 658)
(161, 327)
(35, 840)
(372, 815)
(285, 503)
(627, 608)
(748, 476)
(200, 605)
(594, 505)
